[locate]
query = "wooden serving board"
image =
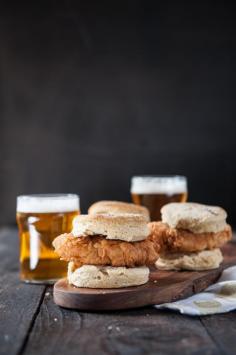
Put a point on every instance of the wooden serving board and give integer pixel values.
(163, 286)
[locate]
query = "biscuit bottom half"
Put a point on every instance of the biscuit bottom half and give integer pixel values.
(199, 261)
(92, 276)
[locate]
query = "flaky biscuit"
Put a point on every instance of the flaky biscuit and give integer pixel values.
(202, 260)
(127, 227)
(194, 217)
(118, 207)
(106, 276)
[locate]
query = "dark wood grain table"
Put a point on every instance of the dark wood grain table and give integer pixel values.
(30, 322)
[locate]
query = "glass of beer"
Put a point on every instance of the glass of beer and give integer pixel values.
(40, 219)
(154, 192)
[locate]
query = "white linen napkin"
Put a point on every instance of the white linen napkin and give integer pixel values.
(218, 298)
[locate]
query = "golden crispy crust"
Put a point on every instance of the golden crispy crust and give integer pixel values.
(179, 240)
(97, 250)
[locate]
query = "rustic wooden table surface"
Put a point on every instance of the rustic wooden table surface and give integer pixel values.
(30, 322)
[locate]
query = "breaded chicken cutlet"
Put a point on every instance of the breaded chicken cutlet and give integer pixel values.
(179, 240)
(97, 250)
(190, 236)
(108, 250)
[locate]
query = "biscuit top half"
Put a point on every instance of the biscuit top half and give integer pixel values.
(127, 227)
(194, 217)
(118, 207)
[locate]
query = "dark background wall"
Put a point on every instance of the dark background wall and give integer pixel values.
(92, 93)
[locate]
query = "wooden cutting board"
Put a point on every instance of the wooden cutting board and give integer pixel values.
(163, 286)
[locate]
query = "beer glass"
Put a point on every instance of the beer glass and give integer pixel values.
(156, 191)
(40, 219)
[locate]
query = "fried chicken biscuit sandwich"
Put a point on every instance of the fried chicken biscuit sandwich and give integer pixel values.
(191, 235)
(108, 251)
(118, 207)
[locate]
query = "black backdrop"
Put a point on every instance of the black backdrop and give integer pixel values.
(94, 92)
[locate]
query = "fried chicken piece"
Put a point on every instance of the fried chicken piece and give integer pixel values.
(97, 250)
(180, 240)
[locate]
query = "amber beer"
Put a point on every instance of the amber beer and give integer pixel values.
(40, 219)
(156, 191)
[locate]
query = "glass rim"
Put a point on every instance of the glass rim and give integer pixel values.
(51, 195)
(47, 203)
(160, 176)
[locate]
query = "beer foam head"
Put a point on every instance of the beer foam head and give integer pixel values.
(158, 185)
(47, 203)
